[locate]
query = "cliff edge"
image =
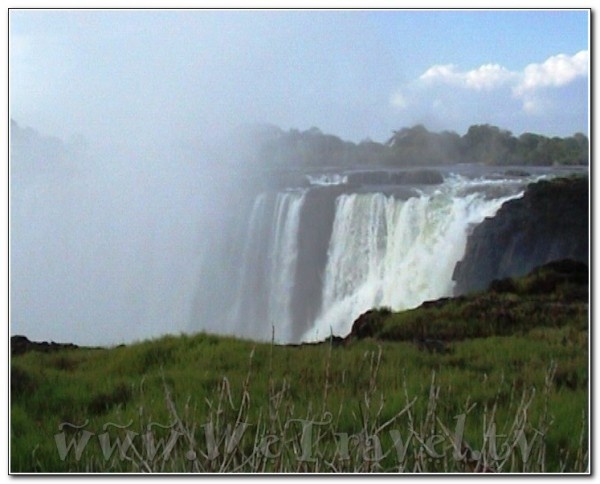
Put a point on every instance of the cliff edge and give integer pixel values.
(550, 222)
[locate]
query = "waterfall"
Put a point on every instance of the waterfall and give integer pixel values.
(397, 253)
(307, 262)
(282, 269)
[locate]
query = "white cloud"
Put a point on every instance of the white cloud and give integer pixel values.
(484, 78)
(528, 86)
(441, 73)
(556, 71)
(488, 76)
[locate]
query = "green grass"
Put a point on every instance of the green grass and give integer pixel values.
(202, 379)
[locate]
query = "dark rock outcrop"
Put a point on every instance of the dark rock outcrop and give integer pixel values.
(550, 222)
(369, 323)
(21, 344)
(332, 340)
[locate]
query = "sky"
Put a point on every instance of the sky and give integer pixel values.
(137, 77)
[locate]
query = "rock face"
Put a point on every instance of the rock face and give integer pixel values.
(550, 222)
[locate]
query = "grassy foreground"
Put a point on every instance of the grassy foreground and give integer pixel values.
(514, 400)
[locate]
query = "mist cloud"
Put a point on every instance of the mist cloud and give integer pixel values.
(105, 246)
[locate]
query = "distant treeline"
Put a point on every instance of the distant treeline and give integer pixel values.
(417, 146)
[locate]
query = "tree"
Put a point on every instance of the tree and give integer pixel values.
(489, 144)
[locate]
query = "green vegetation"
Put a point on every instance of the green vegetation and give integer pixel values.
(417, 146)
(552, 296)
(502, 397)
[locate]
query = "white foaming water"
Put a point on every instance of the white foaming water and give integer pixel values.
(398, 253)
(327, 179)
(284, 253)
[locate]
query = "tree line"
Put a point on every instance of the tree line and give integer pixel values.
(484, 144)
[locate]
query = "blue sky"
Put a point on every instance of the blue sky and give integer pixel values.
(140, 76)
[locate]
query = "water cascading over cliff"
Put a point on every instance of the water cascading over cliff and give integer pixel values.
(303, 263)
